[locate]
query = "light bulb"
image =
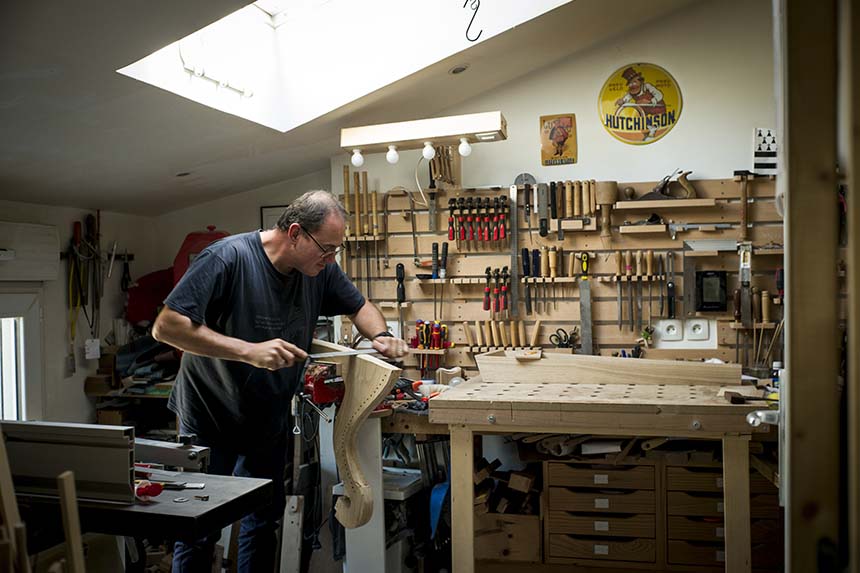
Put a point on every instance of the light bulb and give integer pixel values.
(465, 149)
(392, 156)
(428, 152)
(357, 158)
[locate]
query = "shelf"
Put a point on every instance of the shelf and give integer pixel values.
(549, 280)
(664, 204)
(364, 238)
(761, 251)
(431, 351)
(482, 349)
(631, 278)
(585, 224)
(641, 229)
(758, 326)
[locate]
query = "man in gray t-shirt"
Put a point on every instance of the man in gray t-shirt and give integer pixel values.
(244, 315)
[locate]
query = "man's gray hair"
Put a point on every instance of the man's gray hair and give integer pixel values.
(310, 211)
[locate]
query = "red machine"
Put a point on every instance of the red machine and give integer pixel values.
(192, 245)
(323, 383)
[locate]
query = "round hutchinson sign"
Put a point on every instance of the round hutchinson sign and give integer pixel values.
(639, 103)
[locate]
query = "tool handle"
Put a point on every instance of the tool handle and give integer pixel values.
(586, 199)
(765, 306)
(356, 187)
(756, 305)
(553, 262)
(535, 334)
(670, 299)
(736, 302)
(401, 291)
(373, 199)
(521, 327)
(592, 196)
(479, 338)
(577, 198)
(528, 298)
(568, 199)
(628, 263)
(638, 263)
(619, 263)
(366, 213)
(468, 332)
(543, 227)
(649, 263)
(535, 263)
(487, 297)
(435, 259)
(503, 333)
(526, 266)
(514, 339)
(553, 203)
(443, 263)
(347, 231)
(494, 328)
(544, 262)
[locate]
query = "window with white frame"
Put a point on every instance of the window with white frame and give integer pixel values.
(22, 392)
(11, 368)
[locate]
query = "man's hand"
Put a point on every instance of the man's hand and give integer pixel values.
(274, 354)
(389, 346)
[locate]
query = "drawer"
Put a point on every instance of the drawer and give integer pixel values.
(567, 499)
(710, 480)
(697, 553)
(711, 529)
(710, 505)
(629, 477)
(642, 550)
(605, 525)
(503, 537)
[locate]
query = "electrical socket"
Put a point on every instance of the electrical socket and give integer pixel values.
(671, 330)
(697, 329)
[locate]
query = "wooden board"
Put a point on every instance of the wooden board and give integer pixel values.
(502, 367)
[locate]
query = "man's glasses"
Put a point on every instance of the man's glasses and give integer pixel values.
(325, 252)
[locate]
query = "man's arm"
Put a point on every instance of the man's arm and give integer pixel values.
(181, 332)
(370, 322)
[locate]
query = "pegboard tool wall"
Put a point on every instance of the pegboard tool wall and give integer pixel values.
(463, 302)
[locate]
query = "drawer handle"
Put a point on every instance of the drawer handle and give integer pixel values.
(719, 481)
(720, 507)
(601, 503)
(601, 550)
(721, 556)
(601, 479)
(721, 532)
(601, 526)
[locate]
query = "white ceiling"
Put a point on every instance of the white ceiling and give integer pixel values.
(74, 132)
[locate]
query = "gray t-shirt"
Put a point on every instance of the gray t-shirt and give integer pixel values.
(233, 288)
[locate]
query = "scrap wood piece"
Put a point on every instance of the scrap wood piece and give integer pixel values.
(367, 380)
(485, 470)
(71, 522)
(522, 481)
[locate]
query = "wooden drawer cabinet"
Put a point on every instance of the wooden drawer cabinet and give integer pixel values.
(568, 546)
(711, 529)
(710, 505)
(616, 477)
(503, 537)
(709, 480)
(567, 499)
(605, 525)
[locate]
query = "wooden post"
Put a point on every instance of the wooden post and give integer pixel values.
(71, 522)
(736, 503)
(808, 136)
(462, 513)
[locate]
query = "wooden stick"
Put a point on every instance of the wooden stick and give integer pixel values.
(494, 328)
(513, 326)
(366, 199)
(356, 184)
(776, 334)
(71, 522)
(488, 333)
(577, 198)
(478, 333)
(522, 332)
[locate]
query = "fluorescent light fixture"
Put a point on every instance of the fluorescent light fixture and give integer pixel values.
(450, 130)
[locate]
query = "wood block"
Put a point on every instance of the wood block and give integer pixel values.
(485, 470)
(521, 481)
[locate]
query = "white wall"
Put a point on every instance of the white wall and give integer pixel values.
(65, 399)
(718, 51)
(234, 214)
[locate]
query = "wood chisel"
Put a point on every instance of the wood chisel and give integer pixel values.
(552, 255)
(628, 271)
(577, 199)
(586, 345)
(526, 275)
(544, 273)
(661, 272)
(528, 210)
(373, 203)
(639, 279)
(479, 338)
(535, 274)
(543, 209)
(670, 285)
(401, 297)
(649, 271)
(619, 272)
(568, 199)
(514, 290)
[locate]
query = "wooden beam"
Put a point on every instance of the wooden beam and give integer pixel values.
(71, 522)
(736, 492)
(462, 510)
(811, 396)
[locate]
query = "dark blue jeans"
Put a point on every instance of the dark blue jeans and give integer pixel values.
(257, 535)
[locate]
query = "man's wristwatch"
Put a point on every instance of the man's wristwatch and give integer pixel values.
(383, 333)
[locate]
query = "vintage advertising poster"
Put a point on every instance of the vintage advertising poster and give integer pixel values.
(639, 103)
(558, 139)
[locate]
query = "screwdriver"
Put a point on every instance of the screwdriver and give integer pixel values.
(452, 203)
(435, 267)
(444, 261)
(487, 272)
(736, 301)
(535, 274)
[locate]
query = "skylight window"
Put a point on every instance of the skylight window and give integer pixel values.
(283, 63)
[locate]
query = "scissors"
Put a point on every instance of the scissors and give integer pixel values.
(563, 339)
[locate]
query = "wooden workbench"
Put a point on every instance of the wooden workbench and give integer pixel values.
(673, 410)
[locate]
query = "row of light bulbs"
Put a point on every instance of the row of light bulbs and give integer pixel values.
(428, 152)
